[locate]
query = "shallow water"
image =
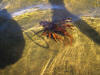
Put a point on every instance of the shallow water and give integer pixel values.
(39, 55)
(88, 10)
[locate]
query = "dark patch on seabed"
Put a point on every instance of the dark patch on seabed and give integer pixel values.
(11, 40)
(82, 25)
